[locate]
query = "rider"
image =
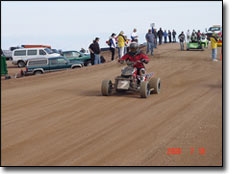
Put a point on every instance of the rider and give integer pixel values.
(135, 55)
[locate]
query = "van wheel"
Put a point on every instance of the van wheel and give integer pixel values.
(38, 72)
(21, 64)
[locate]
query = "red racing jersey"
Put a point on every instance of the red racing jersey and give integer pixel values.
(135, 58)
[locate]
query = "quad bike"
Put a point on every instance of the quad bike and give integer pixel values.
(195, 45)
(144, 83)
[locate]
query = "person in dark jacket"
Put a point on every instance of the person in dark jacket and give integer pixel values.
(160, 34)
(112, 45)
(155, 34)
(174, 35)
(150, 41)
(198, 35)
(94, 48)
(182, 39)
(170, 36)
(91, 53)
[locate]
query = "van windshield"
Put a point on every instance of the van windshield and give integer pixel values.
(49, 51)
(214, 29)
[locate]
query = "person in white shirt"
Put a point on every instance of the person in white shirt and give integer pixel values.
(112, 45)
(134, 36)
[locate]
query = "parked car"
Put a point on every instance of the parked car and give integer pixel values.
(42, 65)
(7, 54)
(75, 55)
(216, 29)
(20, 56)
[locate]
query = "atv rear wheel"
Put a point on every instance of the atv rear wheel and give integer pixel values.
(144, 89)
(106, 87)
(155, 84)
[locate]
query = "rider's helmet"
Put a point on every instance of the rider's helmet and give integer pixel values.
(134, 47)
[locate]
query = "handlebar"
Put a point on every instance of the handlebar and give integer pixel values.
(128, 62)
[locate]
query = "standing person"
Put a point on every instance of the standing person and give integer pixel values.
(121, 44)
(170, 36)
(150, 41)
(165, 36)
(134, 36)
(181, 38)
(155, 35)
(126, 46)
(188, 36)
(112, 45)
(198, 35)
(214, 39)
(174, 35)
(91, 52)
(160, 34)
(194, 37)
(95, 49)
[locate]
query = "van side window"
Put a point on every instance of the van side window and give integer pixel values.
(20, 53)
(61, 61)
(53, 61)
(37, 62)
(31, 52)
(42, 52)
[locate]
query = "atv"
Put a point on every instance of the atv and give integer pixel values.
(131, 80)
(195, 45)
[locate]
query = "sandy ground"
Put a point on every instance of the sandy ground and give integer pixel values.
(61, 118)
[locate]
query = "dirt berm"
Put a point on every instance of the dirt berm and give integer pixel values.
(61, 118)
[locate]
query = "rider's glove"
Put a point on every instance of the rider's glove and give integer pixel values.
(144, 61)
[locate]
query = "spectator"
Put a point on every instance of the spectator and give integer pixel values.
(181, 38)
(112, 45)
(188, 36)
(214, 39)
(204, 40)
(126, 46)
(82, 50)
(134, 36)
(165, 36)
(170, 36)
(91, 52)
(150, 41)
(194, 37)
(94, 48)
(155, 35)
(121, 44)
(160, 34)
(174, 35)
(198, 35)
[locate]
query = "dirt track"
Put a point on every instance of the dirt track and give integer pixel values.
(61, 118)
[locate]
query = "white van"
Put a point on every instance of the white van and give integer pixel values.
(21, 55)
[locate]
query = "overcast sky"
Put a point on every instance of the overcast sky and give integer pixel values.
(73, 25)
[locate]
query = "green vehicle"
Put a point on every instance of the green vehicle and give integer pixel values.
(43, 65)
(195, 46)
(75, 55)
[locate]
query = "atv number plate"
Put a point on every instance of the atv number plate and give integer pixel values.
(123, 84)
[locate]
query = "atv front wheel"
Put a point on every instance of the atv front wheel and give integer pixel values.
(106, 87)
(155, 84)
(144, 89)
